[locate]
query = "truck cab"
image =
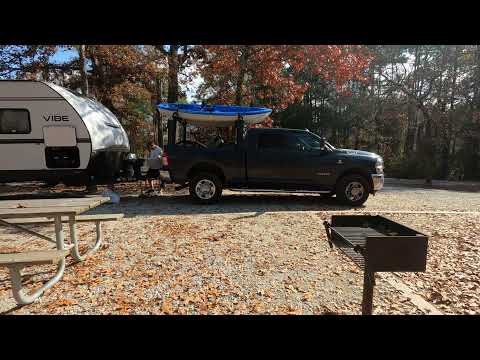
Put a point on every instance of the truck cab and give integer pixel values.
(273, 160)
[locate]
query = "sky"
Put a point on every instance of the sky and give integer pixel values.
(63, 55)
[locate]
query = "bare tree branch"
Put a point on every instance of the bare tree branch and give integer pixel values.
(186, 53)
(161, 49)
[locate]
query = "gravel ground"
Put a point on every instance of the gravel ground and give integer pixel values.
(252, 254)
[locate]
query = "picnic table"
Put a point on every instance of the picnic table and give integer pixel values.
(17, 213)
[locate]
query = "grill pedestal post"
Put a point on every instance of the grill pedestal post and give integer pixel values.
(368, 284)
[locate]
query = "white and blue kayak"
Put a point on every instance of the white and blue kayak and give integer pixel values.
(214, 115)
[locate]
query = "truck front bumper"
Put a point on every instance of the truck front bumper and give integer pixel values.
(377, 180)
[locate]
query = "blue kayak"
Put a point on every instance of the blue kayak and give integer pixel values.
(214, 115)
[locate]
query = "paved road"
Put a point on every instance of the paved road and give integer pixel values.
(469, 186)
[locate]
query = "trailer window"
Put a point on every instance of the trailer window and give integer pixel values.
(14, 121)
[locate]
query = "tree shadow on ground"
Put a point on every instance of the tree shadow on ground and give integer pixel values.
(11, 310)
(44, 195)
(173, 204)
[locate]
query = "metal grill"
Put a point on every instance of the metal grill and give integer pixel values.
(352, 240)
(377, 244)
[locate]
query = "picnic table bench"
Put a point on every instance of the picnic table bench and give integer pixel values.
(17, 213)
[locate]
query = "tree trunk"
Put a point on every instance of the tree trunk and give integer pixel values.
(100, 85)
(473, 170)
(476, 80)
(83, 69)
(445, 168)
(428, 151)
(173, 74)
(447, 132)
(241, 74)
(411, 129)
(357, 139)
(158, 99)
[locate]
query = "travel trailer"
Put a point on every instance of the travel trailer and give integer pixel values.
(50, 134)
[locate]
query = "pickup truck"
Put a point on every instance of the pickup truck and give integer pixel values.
(283, 160)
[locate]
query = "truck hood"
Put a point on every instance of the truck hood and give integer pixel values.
(356, 153)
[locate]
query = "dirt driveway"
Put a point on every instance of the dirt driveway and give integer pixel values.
(256, 253)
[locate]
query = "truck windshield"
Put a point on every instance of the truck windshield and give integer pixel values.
(329, 145)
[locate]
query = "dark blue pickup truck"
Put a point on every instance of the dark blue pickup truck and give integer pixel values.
(273, 160)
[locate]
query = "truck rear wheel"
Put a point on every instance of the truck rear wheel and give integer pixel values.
(352, 190)
(205, 188)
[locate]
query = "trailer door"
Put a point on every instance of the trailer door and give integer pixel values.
(61, 150)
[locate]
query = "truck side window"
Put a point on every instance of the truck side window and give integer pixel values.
(14, 121)
(311, 141)
(276, 142)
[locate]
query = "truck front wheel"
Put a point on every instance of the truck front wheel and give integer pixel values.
(352, 190)
(205, 188)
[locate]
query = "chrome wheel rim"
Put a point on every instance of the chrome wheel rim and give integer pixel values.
(205, 189)
(354, 191)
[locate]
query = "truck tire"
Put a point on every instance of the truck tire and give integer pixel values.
(205, 188)
(352, 190)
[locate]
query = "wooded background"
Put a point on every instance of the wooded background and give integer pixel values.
(416, 105)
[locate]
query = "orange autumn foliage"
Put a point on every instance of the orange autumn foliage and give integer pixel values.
(268, 74)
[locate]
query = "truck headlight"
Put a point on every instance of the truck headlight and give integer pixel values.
(379, 166)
